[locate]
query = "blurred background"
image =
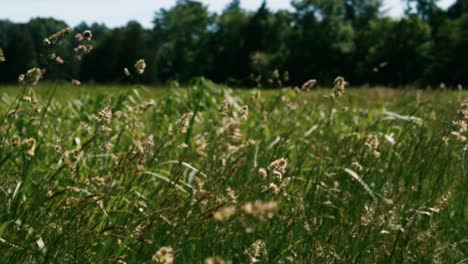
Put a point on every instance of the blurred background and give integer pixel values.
(244, 43)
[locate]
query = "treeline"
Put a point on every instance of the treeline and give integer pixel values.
(316, 39)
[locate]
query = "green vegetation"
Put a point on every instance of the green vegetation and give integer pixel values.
(206, 174)
(281, 176)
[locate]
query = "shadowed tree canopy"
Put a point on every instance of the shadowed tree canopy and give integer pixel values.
(181, 33)
(316, 39)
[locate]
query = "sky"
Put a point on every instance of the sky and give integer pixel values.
(116, 13)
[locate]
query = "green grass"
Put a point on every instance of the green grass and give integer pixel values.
(101, 189)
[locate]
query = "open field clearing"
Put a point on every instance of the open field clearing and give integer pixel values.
(218, 132)
(211, 175)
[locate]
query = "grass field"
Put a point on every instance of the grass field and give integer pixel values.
(212, 175)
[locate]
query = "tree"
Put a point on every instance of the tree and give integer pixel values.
(459, 8)
(20, 54)
(402, 50)
(134, 46)
(321, 41)
(228, 44)
(102, 64)
(362, 12)
(425, 9)
(181, 35)
(450, 57)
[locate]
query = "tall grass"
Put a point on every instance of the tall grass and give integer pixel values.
(208, 174)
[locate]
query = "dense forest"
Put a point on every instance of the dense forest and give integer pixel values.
(315, 39)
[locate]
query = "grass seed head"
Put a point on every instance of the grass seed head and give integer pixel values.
(82, 50)
(21, 78)
(57, 37)
(32, 77)
(59, 60)
(31, 142)
(215, 260)
(225, 213)
(126, 72)
(184, 122)
(224, 108)
(87, 35)
(260, 210)
(79, 37)
(339, 87)
(263, 173)
(309, 84)
(140, 66)
(2, 56)
(244, 112)
(256, 251)
(164, 255)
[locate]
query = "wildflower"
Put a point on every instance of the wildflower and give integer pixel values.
(2, 56)
(75, 82)
(263, 173)
(309, 84)
(260, 210)
(126, 72)
(87, 35)
(255, 251)
(164, 256)
(140, 66)
(225, 213)
(57, 37)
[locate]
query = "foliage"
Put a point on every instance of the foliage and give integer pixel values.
(315, 39)
(250, 177)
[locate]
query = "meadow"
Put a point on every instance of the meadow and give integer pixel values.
(207, 174)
